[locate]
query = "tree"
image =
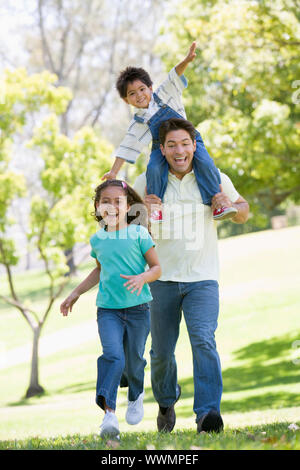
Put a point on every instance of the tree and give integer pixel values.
(243, 92)
(60, 213)
(85, 44)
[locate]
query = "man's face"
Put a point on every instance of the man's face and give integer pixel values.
(138, 94)
(178, 150)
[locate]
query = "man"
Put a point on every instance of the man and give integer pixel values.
(186, 244)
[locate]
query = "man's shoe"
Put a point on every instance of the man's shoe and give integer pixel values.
(166, 417)
(224, 213)
(135, 410)
(210, 422)
(110, 426)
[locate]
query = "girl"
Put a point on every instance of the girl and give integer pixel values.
(122, 248)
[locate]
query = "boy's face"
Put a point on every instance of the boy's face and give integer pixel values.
(178, 150)
(138, 94)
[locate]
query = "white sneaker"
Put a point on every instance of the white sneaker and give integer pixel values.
(135, 410)
(110, 425)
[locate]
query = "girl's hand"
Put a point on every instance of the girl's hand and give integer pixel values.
(68, 303)
(135, 283)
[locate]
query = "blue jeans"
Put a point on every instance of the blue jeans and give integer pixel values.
(123, 334)
(199, 302)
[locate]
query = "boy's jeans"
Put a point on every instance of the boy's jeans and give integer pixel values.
(199, 302)
(123, 334)
(206, 173)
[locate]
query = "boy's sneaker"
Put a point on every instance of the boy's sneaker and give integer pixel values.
(135, 410)
(224, 213)
(110, 426)
(156, 217)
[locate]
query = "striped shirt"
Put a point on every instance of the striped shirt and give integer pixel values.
(138, 134)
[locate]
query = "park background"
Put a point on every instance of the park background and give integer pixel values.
(60, 119)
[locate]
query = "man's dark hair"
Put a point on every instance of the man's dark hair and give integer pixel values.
(129, 75)
(176, 124)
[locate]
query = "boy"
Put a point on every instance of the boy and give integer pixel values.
(135, 88)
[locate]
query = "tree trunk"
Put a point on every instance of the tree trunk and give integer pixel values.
(34, 387)
(70, 262)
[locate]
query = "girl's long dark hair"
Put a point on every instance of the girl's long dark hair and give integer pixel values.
(137, 213)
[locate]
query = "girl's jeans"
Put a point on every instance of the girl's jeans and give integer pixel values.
(123, 334)
(199, 302)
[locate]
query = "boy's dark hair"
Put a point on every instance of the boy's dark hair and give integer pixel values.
(129, 75)
(137, 213)
(176, 124)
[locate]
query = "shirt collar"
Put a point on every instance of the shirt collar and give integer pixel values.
(187, 176)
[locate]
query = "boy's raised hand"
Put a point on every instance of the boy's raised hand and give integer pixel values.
(192, 52)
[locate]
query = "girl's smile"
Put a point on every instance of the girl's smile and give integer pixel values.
(113, 207)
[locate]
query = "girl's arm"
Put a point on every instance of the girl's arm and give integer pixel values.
(90, 281)
(136, 283)
(180, 68)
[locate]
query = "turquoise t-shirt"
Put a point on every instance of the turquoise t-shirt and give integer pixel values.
(121, 252)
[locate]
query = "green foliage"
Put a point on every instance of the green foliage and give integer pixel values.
(72, 169)
(243, 90)
(60, 214)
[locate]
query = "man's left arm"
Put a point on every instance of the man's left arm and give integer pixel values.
(242, 206)
(229, 196)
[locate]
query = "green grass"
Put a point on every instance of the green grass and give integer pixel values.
(268, 437)
(258, 341)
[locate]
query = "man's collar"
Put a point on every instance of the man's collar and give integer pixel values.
(174, 176)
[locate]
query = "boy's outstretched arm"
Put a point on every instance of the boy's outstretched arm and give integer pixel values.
(180, 68)
(113, 173)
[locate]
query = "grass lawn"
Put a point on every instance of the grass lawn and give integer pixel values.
(258, 340)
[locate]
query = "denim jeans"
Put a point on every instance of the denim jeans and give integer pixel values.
(123, 334)
(206, 173)
(199, 302)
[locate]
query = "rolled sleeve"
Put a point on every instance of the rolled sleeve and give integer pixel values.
(129, 149)
(180, 82)
(137, 137)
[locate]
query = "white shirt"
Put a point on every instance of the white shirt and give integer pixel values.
(186, 240)
(138, 134)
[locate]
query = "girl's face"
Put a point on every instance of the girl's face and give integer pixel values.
(113, 207)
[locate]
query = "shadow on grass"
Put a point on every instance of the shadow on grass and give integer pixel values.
(255, 371)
